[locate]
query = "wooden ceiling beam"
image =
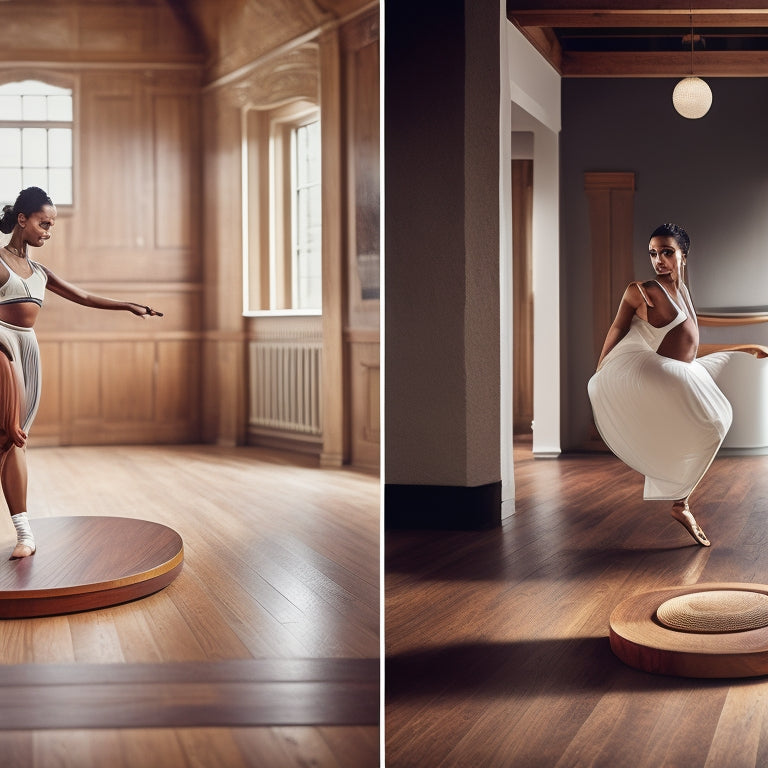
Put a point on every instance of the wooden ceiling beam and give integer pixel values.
(634, 64)
(648, 19)
(634, 6)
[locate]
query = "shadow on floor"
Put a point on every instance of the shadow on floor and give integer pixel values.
(530, 667)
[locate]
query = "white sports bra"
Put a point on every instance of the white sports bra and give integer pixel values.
(18, 289)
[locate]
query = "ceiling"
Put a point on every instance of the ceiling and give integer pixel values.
(639, 39)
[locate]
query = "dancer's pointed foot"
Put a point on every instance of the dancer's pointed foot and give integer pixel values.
(682, 513)
(21, 550)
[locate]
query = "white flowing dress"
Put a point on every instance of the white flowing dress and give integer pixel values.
(664, 418)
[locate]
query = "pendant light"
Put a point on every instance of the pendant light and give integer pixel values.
(692, 97)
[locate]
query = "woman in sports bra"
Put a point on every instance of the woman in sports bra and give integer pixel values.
(30, 221)
(655, 405)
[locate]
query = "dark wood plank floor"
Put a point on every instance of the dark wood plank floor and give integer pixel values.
(497, 641)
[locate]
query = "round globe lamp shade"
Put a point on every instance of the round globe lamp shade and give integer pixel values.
(692, 97)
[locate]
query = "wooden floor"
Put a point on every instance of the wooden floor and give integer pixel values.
(497, 641)
(263, 652)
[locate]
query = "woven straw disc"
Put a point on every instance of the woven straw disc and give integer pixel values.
(715, 611)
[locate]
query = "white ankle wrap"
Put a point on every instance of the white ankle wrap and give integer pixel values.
(23, 531)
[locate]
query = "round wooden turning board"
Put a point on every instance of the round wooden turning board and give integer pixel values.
(83, 563)
(702, 630)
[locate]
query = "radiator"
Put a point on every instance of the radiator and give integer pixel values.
(285, 386)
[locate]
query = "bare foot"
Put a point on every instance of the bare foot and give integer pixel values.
(682, 513)
(21, 550)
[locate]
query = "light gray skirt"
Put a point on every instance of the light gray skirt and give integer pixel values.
(25, 361)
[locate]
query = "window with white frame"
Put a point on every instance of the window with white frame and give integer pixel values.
(306, 246)
(35, 140)
(282, 209)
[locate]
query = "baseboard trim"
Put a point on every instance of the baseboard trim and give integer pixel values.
(442, 507)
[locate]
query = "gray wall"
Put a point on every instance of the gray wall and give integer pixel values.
(708, 175)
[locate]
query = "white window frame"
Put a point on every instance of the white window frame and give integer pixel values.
(293, 258)
(55, 82)
(267, 221)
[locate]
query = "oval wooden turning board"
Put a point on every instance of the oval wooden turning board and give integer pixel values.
(82, 563)
(703, 630)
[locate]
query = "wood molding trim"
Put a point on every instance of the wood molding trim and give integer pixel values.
(362, 335)
(717, 320)
(660, 64)
(335, 448)
(609, 180)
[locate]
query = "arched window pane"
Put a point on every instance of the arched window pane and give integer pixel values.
(10, 107)
(34, 108)
(33, 87)
(60, 108)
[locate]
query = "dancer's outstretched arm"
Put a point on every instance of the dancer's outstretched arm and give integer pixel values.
(76, 294)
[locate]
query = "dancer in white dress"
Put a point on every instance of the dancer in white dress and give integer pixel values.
(655, 405)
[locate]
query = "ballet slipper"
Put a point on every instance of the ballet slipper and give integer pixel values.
(685, 517)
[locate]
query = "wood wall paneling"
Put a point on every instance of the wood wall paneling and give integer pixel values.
(177, 181)
(611, 217)
(132, 234)
(361, 104)
(181, 304)
(126, 392)
(360, 42)
(101, 31)
(223, 403)
(127, 370)
(81, 384)
(366, 405)
(177, 384)
(47, 426)
(140, 172)
(113, 173)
